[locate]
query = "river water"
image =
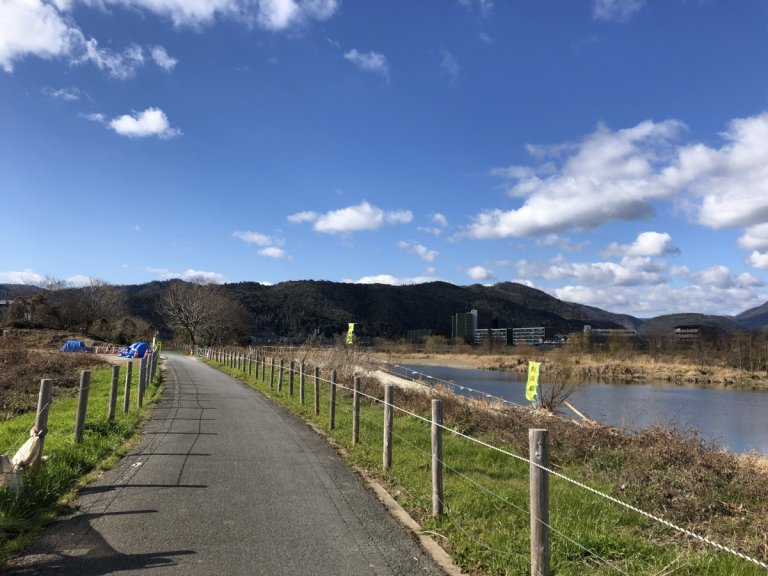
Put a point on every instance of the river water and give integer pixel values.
(737, 420)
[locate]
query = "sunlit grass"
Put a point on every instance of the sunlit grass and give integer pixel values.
(486, 525)
(67, 463)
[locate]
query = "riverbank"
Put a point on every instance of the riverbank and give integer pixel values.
(566, 366)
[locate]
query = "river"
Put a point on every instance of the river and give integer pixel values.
(737, 420)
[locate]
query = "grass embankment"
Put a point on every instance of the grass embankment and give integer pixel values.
(486, 528)
(69, 465)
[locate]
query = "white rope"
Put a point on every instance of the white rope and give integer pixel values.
(581, 485)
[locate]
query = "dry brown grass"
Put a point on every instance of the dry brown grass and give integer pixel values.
(26, 358)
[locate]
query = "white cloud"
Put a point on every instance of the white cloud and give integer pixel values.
(47, 29)
(450, 66)
(254, 238)
(96, 117)
(150, 122)
(755, 237)
(190, 274)
(631, 271)
(307, 216)
(608, 176)
(274, 252)
(79, 280)
(480, 273)
(22, 277)
(369, 62)
(362, 216)
(732, 181)
(440, 219)
(664, 299)
(616, 10)
(422, 251)
(393, 280)
(758, 260)
(33, 27)
(162, 59)
(646, 244)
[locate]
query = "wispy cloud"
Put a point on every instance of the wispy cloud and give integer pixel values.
(271, 246)
(485, 6)
(71, 94)
(190, 274)
(360, 217)
(47, 29)
(26, 276)
(369, 62)
(393, 280)
(449, 66)
(616, 10)
(162, 59)
(421, 251)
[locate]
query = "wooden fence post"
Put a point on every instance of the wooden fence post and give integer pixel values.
(41, 419)
(280, 376)
(388, 420)
(317, 390)
(332, 415)
(127, 396)
(290, 377)
(539, 483)
(264, 368)
(250, 366)
(437, 458)
(272, 372)
(113, 392)
(301, 383)
(82, 404)
(356, 410)
(142, 382)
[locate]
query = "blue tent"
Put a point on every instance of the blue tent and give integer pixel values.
(74, 346)
(135, 350)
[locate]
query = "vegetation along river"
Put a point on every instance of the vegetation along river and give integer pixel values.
(737, 420)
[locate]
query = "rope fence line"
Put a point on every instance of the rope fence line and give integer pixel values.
(576, 483)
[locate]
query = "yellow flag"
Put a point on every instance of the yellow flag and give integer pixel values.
(351, 334)
(533, 380)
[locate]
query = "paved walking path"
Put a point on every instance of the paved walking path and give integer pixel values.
(225, 482)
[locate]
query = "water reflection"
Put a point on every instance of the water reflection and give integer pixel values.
(735, 419)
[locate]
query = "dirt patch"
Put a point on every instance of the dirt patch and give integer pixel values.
(27, 358)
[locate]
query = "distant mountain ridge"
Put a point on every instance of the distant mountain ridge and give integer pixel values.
(304, 307)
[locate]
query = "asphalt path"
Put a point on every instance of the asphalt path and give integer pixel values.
(224, 481)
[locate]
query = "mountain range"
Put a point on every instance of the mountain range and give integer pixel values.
(300, 308)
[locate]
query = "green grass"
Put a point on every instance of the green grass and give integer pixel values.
(68, 465)
(486, 527)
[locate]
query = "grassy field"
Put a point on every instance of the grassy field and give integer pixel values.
(68, 465)
(486, 527)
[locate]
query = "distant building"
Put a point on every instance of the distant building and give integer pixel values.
(532, 335)
(463, 326)
(4, 303)
(693, 332)
(417, 336)
(494, 336)
(589, 331)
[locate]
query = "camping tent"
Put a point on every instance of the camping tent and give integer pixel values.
(135, 350)
(74, 346)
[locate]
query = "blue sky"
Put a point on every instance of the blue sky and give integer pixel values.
(609, 152)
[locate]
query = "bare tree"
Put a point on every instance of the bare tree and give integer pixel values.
(204, 313)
